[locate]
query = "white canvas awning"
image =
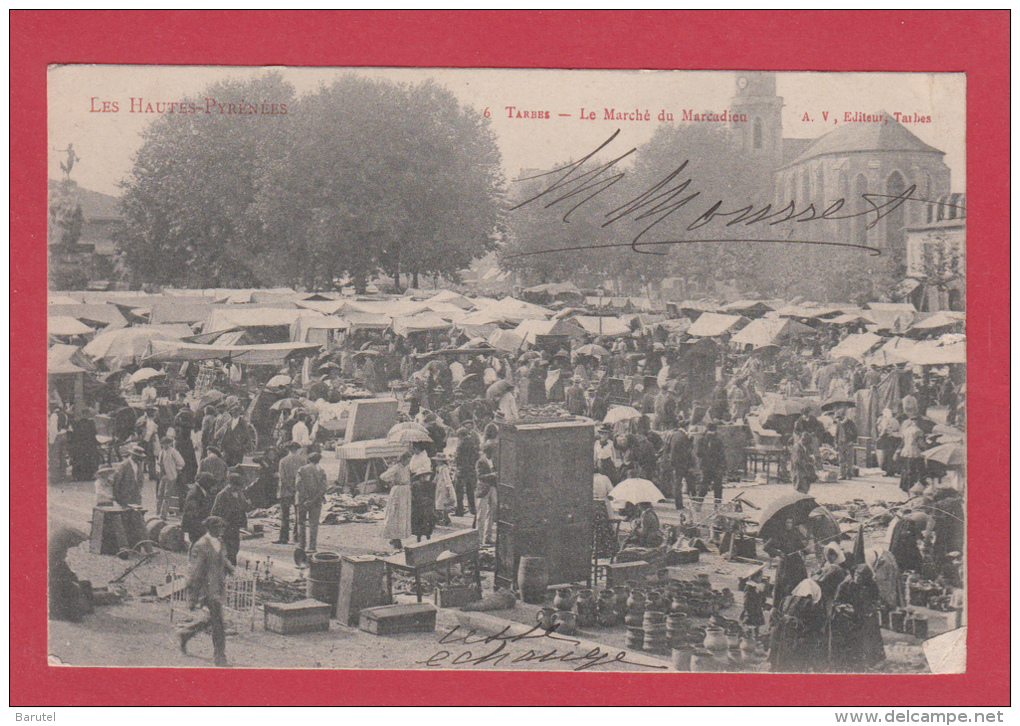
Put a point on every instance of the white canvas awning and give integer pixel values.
(257, 355)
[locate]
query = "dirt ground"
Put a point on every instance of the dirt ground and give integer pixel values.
(138, 631)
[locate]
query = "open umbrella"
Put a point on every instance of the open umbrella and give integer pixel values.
(591, 349)
(287, 404)
(787, 407)
(498, 389)
(621, 413)
(949, 454)
(947, 433)
(144, 374)
(471, 384)
(208, 397)
(796, 506)
(823, 525)
(835, 403)
(407, 426)
(409, 436)
(636, 491)
(279, 381)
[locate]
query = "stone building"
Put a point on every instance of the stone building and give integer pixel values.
(863, 154)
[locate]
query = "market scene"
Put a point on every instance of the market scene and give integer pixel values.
(517, 466)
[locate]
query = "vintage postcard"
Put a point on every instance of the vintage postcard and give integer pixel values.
(509, 358)
(499, 369)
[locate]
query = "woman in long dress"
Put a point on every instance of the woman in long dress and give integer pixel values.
(398, 509)
(423, 493)
(83, 448)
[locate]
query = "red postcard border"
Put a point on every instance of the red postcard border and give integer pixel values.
(976, 42)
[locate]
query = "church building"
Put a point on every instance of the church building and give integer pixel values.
(878, 157)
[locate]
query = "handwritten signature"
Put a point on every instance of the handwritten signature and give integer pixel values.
(573, 185)
(499, 653)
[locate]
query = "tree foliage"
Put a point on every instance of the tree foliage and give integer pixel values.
(359, 177)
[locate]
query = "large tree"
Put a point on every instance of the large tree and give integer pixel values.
(188, 201)
(381, 177)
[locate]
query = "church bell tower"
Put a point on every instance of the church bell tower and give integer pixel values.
(758, 124)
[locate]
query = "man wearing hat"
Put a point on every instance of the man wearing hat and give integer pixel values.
(208, 569)
(712, 457)
(197, 507)
(214, 465)
(209, 424)
(148, 434)
(287, 488)
(232, 507)
(236, 439)
(677, 463)
(127, 480)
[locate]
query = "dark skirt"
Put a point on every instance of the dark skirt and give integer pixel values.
(423, 505)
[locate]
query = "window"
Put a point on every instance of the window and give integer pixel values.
(757, 133)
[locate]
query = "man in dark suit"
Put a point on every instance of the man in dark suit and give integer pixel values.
(289, 467)
(197, 507)
(712, 457)
(127, 480)
(232, 507)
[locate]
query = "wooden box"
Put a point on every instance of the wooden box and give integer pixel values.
(362, 585)
(425, 553)
(371, 418)
(545, 498)
(303, 616)
(617, 574)
(455, 597)
(393, 619)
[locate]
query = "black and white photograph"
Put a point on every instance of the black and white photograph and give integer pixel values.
(506, 369)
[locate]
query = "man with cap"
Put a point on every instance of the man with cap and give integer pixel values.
(197, 507)
(127, 480)
(287, 488)
(214, 465)
(209, 424)
(208, 569)
(677, 463)
(299, 432)
(311, 492)
(665, 408)
(232, 507)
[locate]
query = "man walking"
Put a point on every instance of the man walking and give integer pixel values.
(846, 438)
(207, 586)
(311, 491)
(197, 507)
(289, 467)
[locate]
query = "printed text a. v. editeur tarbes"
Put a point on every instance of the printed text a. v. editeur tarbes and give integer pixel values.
(209, 106)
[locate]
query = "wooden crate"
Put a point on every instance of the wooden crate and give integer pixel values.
(455, 597)
(425, 553)
(393, 619)
(617, 574)
(362, 585)
(304, 616)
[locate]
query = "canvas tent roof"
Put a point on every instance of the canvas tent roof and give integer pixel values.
(61, 359)
(124, 345)
(768, 331)
(506, 340)
(604, 325)
(180, 310)
(366, 321)
(935, 353)
(855, 346)
(529, 329)
(106, 314)
(265, 354)
(66, 325)
(709, 325)
(418, 323)
(229, 316)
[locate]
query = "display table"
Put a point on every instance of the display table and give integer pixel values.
(115, 529)
(364, 460)
(440, 554)
(767, 456)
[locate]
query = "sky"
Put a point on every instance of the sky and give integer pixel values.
(105, 142)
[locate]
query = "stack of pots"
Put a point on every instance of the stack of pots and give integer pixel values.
(587, 609)
(655, 632)
(635, 620)
(606, 612)
(676, 629)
